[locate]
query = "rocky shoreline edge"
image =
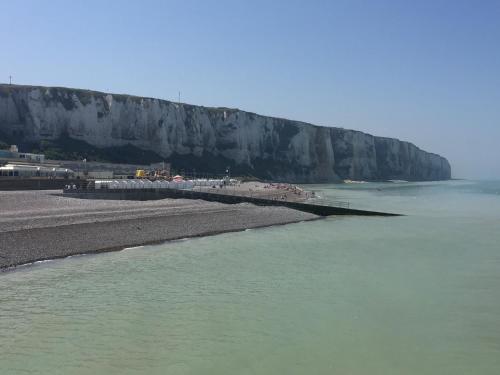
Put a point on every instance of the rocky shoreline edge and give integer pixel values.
(40, 225)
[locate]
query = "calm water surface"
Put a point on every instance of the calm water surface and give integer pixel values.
(418, 294)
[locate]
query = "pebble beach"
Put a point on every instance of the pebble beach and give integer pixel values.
(41, 225)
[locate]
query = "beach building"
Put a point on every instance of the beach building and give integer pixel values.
(14, 154)
(26, 170)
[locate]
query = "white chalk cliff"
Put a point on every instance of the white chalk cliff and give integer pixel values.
(267, 147)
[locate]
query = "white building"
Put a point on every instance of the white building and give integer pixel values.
(26, 170)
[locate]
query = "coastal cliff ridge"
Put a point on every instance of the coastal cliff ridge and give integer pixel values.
(211, 138)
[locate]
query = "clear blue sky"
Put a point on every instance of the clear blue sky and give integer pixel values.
(423, 71)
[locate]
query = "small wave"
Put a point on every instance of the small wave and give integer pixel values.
(132, 248)
(181, 239)
(27, 265)
(41, 261)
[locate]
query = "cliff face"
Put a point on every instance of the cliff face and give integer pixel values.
(268, 147)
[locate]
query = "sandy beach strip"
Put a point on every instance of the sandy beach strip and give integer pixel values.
(40, 225)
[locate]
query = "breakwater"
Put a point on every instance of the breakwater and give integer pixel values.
(155, 194)
(19, 183)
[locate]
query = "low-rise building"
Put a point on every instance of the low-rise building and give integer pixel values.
(27, 170)
(94, 174)
(14, 154)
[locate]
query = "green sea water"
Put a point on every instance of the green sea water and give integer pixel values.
(417, 294)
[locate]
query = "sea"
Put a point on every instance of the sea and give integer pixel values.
(414, 294)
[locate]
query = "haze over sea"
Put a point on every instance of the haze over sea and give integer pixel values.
(417, 294)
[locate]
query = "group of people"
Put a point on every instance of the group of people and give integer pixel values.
(288, 189)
